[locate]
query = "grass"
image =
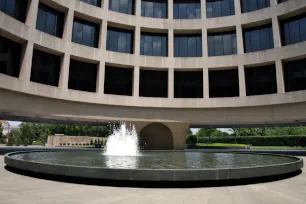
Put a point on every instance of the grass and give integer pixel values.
(220, 145)
(276, 147)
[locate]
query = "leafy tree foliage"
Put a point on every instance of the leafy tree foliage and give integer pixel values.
(30, 132)
(211, 132)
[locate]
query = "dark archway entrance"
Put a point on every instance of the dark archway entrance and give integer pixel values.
(156, 136)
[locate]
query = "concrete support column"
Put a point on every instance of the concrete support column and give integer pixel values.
(171, 83)
(170, 9)
(138, 8)
(206, 82)
(170, 43)
(64, 73)
(204, 43)
(100, 77)
(280, 77)
(136, 81)
(105, 4)
(32, 13)
(203, 9)
(241, 77)
(276, 32)
(137, 40)
(237, 7)
(67, 34)
(103, 35)
(26, 63)
(179, 133)
(239, 34)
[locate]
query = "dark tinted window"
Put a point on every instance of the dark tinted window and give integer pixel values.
(222, 44)
(281, 1)
(223, 83)
(153, 83)
(260, 80)
(154, 44)
(122, 6)
(85, 33)
(15, 8)
(119, 40)
(295, 75)
(219, 8)
(154, 8)
(252, 5)
(259, 38)
(189, 45)
(45, 68)
(82, 76)
(118, 81)
(50, 21)
(186, 9)
(188, 84)
(10, 53)
(293, 30)
(93, 2)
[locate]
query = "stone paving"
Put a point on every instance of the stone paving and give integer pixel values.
(20, 189)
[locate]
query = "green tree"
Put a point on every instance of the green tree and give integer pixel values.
(14, 138)
(206, 132)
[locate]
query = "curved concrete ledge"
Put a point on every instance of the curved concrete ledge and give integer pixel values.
(156, 174)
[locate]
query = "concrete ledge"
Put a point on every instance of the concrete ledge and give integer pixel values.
(156, 174)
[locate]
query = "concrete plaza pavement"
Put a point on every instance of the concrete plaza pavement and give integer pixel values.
(21, 189)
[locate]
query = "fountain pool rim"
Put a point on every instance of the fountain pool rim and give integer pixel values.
(208, 174)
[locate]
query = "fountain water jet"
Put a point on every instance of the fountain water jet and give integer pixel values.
(122, 142)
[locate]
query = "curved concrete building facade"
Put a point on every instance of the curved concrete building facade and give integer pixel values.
(195, 63)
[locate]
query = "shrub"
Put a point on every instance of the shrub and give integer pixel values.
(68, 144)
(258, 140)
(64, 144)
(191, 140)
(39, 143)
(61, 144)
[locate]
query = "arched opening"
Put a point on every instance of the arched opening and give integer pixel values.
(156, 136)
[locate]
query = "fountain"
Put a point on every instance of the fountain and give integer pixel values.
(122, 142)
(122, 160)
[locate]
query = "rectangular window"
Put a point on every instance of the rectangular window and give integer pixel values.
(253, 5)
(119, 40)
(45, 68)
(50, 21)
(281, 1)
(223, 83)
(82, 76)
(153, 44)
(154, 8)
(258, 38)
(153, 83)
(118, 81)
(186, 9)
(188, 84)
(293, 30)
(260, 80)
(85, 32)
(222, 44)
(10, 53)
(295, 75)
(15, 8)
(219, 8)
(187, 45)
(93, 2)
(122, 6)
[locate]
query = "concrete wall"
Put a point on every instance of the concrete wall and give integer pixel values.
(60, 140)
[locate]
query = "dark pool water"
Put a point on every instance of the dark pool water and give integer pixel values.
(155, 160)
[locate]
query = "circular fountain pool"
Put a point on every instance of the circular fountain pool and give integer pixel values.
(155, 166)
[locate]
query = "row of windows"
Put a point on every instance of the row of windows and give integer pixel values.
(187, 45)
(182, 9)
(187, 84)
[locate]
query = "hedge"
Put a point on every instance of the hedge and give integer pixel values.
(258, 140)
